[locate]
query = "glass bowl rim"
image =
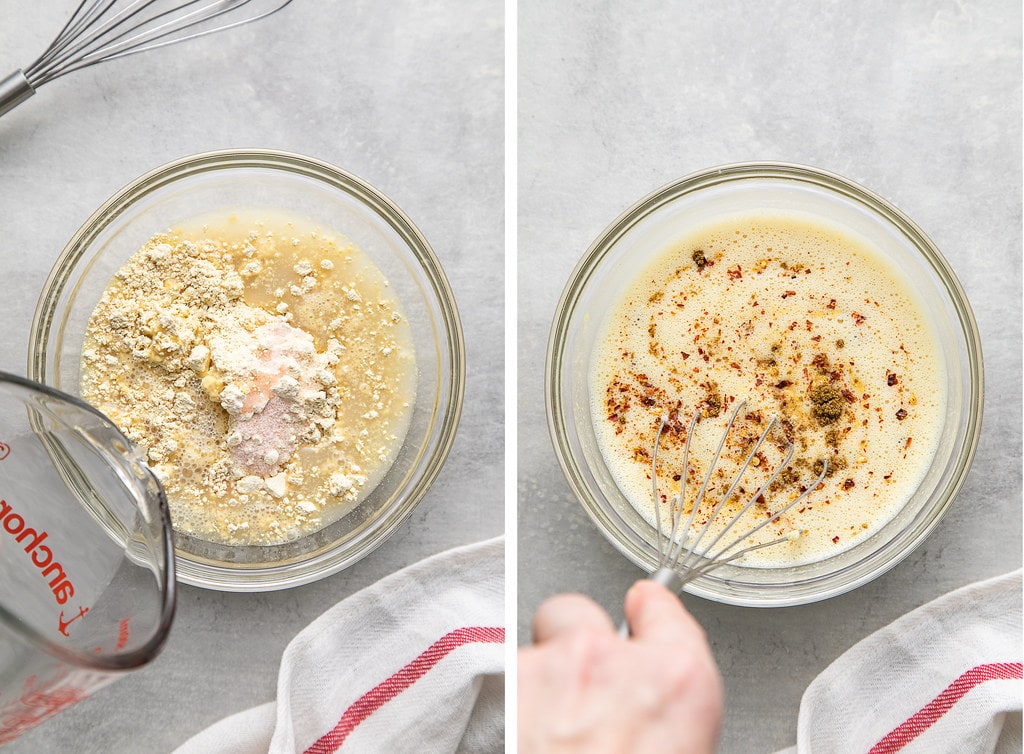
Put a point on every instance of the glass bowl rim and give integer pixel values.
(559, 416)
(450, 343)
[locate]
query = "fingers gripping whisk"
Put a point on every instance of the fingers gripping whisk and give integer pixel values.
(695, 539)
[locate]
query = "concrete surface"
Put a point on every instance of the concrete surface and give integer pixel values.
(919, 101)
(407, 96)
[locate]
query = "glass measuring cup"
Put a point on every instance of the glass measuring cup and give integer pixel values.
(86, 557)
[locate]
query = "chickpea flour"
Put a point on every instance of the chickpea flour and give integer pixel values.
(264, 365)
(804, 323)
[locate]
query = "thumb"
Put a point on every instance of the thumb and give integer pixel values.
(656, 614)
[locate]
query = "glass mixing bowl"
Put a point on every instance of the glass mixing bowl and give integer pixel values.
(233, 179)
(647, 229)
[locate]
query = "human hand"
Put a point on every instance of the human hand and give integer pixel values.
(584, 688)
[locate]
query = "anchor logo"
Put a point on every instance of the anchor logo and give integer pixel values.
(63, 624)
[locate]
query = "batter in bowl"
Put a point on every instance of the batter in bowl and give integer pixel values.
(264, 365)
(806, 324)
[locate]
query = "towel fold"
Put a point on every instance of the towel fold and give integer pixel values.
(946, 677)
(412, 663)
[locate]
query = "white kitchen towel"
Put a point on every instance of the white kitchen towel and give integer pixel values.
(946, 677)
(413, 663)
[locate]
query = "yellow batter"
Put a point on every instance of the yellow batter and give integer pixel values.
(806, 324)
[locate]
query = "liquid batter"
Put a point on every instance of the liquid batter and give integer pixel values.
(804, 323)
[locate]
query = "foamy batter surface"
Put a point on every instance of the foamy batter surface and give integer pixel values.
(805, 324)
(265, 367)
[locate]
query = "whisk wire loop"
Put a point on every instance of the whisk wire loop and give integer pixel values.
(682, 558)
(678, 541)
(654, 485)
(693, 553)
(677, 538)
(102, 30)
(665, 555)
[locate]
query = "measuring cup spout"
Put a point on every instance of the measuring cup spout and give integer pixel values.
(86, 551)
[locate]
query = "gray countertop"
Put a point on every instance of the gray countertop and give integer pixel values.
(407, 96)
(919, 101)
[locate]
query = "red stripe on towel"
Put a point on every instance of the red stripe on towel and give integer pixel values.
(925, 717)
(391, 687)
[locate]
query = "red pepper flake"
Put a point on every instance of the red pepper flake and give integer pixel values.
(890, 379)
(787, 294)
(685, 355)
(907, 444)
(735, 273)
(734, 365)
(835, 540)
(848, 484)
(901, 414)
(831, 304)
(848, 394)
(787, 430)
(783, 384)
(858, 318)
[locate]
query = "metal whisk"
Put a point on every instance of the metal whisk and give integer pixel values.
(683, 554)
(102, 30)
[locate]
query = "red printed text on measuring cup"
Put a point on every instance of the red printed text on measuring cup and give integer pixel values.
(37, 549)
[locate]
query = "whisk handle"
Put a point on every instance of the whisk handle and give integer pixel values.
(14, 90)
(668, 579)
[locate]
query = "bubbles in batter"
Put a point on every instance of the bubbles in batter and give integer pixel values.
(806, 324)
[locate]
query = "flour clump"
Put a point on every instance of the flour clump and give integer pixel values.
(258, 360)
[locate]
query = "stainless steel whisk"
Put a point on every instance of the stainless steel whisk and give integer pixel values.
(103, 30)
(681, 555)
